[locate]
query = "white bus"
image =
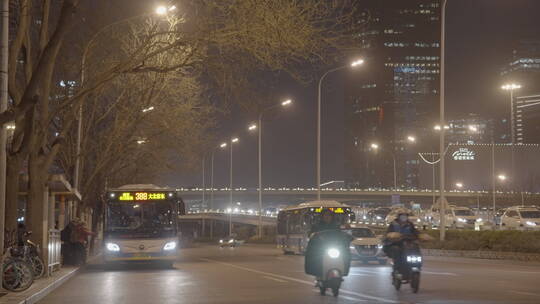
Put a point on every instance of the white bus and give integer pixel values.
(141, 224)
(294, 223)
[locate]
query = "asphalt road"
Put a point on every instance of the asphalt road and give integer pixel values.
(261, 274)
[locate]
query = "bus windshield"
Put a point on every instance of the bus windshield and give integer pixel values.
(141, 219)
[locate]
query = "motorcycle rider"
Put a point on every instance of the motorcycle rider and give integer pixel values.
(401, 225)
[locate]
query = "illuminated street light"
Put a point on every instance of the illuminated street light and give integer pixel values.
(357, 62)
(252, 127)
(374, 146)
(141, 141)
(223, 145)
(161, 10)
(473, 128)
(411, 138)
(286, 102)
(151, 108)
(459, 185)
(502, 177)
(353, 64)
(511, 86)
(234, 140)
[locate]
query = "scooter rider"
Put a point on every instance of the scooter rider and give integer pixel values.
(401, 225)
(317, 243)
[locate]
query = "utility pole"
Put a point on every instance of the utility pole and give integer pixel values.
(442, 172)
(3, 107)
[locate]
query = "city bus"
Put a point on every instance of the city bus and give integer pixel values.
(141, 224)
(294, 223)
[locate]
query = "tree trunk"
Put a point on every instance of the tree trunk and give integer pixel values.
(35, 206)
(14, 166)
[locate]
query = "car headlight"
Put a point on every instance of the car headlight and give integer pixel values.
(379, 246)
(461, 220)
(112, 247)
(333, 253)
(169, 246)
(479, 220)
(231, 241)
(378, 217)
(530, 223)
(220, 241)
(418, 220)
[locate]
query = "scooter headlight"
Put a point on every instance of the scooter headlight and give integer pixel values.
(333, 253)
(379, 246)
(112, 247)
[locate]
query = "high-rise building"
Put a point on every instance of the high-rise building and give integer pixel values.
(524, 66)
(527, 121)
(470, 129)
(395, 93)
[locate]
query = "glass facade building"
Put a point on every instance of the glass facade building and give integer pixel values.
(395, 94)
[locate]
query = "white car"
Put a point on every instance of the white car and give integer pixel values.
(457, 218)
(366, 246)
(521, 218)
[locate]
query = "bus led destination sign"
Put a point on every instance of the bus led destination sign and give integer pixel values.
(141, 196)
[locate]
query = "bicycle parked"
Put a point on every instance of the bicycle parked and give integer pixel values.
(17, 274)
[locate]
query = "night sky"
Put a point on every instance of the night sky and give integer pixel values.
(480, 35)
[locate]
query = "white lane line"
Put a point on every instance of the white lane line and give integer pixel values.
(300, 281)
(525, 293)
(352, 299)
(440, 273)
(274, 279)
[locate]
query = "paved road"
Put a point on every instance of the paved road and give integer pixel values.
(261, 274)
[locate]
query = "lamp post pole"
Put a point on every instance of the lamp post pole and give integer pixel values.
(4, 49)
(442, 172)
(353, 64)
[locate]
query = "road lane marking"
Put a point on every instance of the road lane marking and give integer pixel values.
(310, 283)
(274, 279)
(525, 293)
(352, 299)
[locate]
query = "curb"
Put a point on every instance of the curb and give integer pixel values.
(39, 295)
(488, 255)
(47, 290)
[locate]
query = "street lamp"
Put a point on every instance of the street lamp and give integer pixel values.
(353, 64)
(258, 127)
(233, 140)
(459, 185)
(411, 139)
(502, 177)
(162, 9)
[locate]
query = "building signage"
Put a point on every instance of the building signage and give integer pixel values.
(464, 154)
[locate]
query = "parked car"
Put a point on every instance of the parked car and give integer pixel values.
(521, 218)
(366, 246)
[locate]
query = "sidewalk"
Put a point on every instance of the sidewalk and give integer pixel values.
(43, 286)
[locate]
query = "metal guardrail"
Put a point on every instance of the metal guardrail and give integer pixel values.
(54, 250)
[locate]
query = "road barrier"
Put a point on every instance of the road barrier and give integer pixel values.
(54, 251)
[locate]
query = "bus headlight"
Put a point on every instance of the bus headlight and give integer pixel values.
(112, 247)
(169, 246)
(333, 253)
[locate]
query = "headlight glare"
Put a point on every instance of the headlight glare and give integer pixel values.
(112, 247)
(169, 246)
(531, 223)
(461, 220)
(333, 253)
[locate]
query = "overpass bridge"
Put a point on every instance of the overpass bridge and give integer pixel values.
(426, 196)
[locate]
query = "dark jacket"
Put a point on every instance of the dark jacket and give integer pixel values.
(407, 228)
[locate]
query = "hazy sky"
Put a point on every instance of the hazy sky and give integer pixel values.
(480, 36)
